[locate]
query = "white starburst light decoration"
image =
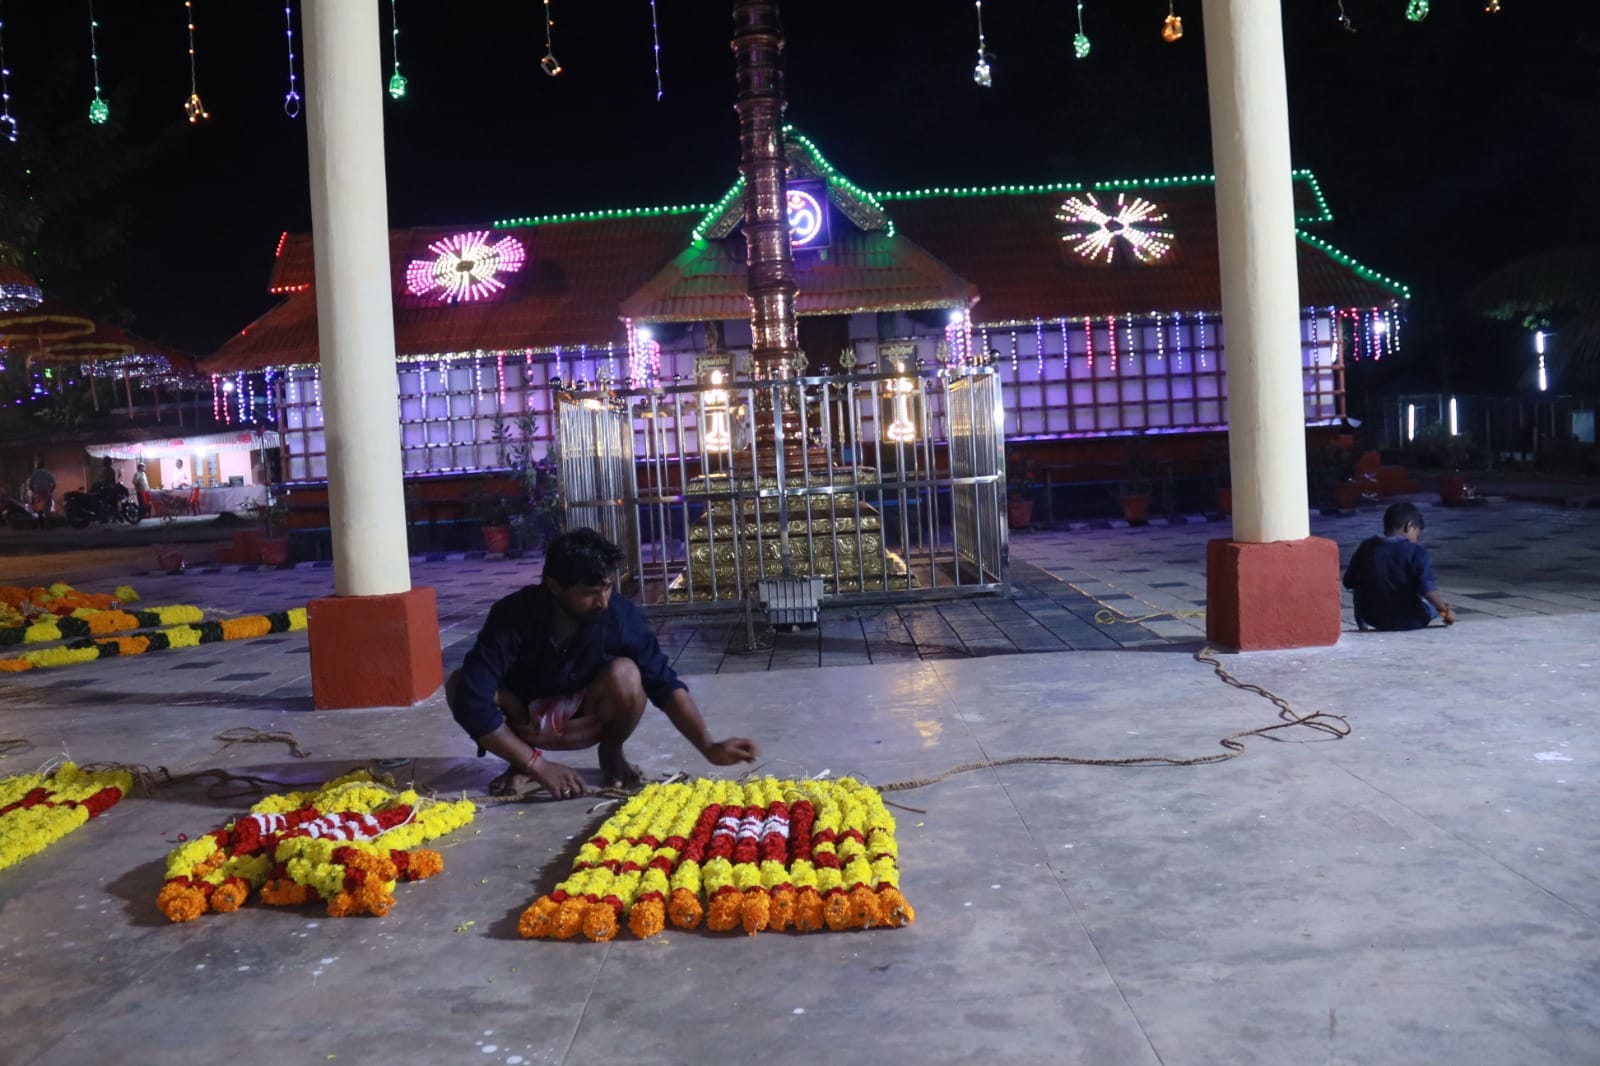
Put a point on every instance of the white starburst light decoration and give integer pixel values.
(465, 267)
(1096, 232)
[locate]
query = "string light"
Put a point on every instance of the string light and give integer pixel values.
(1417, 10)
(1133, 359)
(5, 89)
(291, 100)
(99, 111)
(192, 106)
(316, 382)
(216, 400)
(1015, 371)
(1172, 25)
(1080, 40)
(397, 81)
(1344, 19)
(1088, 342)
(981, 74)
(1200, 316)
(465, 267)
(1161, 338)
(549, 64)
(1111, 341)
(1101, 230)
(655, 41)
(1038, 344)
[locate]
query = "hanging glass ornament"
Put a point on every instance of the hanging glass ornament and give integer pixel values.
(397, 81)
(981, 73)
(1417, 10)
(99, 111)
(1080, 40)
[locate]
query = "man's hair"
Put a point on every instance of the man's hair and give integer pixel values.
(1400, 515)
(581, 557)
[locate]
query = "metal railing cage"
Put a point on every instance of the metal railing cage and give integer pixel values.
(885, 485)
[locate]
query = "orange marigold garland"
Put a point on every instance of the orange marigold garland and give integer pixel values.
(763, 855)
(347, 843)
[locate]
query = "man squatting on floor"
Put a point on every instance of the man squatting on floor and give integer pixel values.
(563, 665)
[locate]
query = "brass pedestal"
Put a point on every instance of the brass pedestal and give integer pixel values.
(734, 543)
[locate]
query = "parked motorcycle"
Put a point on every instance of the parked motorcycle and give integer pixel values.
(101, 505)
(16, 514)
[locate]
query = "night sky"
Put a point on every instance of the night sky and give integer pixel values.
(1446, 147)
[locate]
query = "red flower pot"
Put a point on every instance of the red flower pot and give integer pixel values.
(1452, 489)
(1019, 512)
(274, 551)
(496, 539)
(1347, 495)
(170, 560)
(1136, 508)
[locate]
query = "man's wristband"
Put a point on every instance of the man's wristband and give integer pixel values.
(535, 757)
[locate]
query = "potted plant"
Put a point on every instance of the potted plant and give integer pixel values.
(494, 511)
(169, 553)
(272, 544)
(541, 510)
(1019, 491)
(1134, 493)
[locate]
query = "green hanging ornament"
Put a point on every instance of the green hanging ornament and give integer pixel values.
(397, 81)
(1417, 10)
(1080, 45)
(98, 111)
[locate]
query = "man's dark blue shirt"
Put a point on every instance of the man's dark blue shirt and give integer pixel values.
(516, 649)
(1389, 576)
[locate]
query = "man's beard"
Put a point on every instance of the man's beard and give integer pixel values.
(583, 617)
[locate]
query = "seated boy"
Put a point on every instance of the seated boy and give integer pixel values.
(1392, 578)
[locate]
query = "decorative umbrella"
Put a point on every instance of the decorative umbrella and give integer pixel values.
(35, 328)
(18, 290)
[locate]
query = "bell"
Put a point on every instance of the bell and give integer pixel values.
(1172, 28)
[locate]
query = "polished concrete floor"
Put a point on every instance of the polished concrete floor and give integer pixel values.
(1425, 890)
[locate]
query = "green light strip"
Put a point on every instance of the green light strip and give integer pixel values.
(1323, 214)
(698, 234)
(597, 216)
(712, 211)
(1359, 269)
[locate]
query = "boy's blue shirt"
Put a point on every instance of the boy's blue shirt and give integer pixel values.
(1389, 576)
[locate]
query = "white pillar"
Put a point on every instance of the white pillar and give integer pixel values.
(1260, 284)
(355, 312)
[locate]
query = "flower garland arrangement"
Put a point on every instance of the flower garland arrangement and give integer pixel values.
(178, 636)
(347, 843)
(759, 855)
(36, 810)
(93, 622)
(18, 604)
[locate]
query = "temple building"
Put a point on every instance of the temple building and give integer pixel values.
(1098, 305)
(941, 331)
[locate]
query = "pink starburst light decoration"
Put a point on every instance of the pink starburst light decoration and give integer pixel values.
(1098, 232)
(465, 267)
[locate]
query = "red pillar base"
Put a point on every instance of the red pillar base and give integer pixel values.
(374, 651)
(1279, 595)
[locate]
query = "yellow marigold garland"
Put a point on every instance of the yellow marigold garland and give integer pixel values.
(36, 810)
(347, 843)
(177, 636)
(755, 855)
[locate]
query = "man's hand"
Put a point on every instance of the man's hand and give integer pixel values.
(1448, 615)
(727, 752)
(559, 780)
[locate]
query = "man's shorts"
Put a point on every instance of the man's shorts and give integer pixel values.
(550, 714)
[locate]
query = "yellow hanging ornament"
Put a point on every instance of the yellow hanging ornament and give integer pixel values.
(1172, 28)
